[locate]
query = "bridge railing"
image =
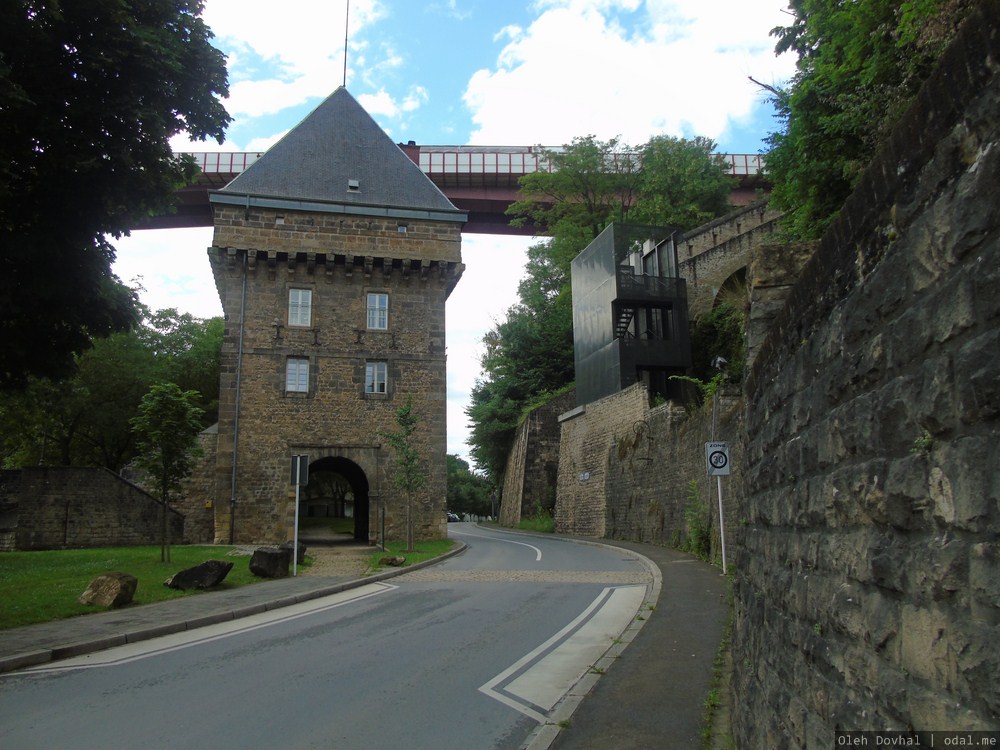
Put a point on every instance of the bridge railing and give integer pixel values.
(444, 160)
(461, 161)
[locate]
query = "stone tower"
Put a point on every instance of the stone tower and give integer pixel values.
(333, 255)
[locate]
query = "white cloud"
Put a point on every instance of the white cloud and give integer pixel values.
(175, 263)
(300, 43)
(681, 72)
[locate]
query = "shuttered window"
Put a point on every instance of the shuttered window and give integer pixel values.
(297, 375)
(300, 307)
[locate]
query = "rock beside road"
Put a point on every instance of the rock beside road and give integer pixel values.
(210, 573)
(270, 562)
(110, 590)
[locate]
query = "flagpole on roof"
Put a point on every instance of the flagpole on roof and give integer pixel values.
(347, 16)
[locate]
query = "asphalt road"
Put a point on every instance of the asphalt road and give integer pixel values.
(472, 653)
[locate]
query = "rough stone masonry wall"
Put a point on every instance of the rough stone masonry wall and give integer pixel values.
(709, 255)
(197, 495)
(867, 584)
(586, 438)
(532, 470)
(70, 507)
(657, 470)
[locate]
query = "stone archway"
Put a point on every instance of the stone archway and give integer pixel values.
(335, 504)
(734, 291)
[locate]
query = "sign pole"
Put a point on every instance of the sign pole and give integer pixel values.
(722, 526)
(295, 536)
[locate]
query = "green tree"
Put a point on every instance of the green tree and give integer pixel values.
(590, 183)
(84, 421)
(167, 427)
(187, 351)
(684, 184)
(90, 94)
(408, 473)
(467, 492)
(859, 66)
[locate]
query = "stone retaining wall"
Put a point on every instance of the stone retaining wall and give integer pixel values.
(532, 468)
(69, 507)
(866, 585)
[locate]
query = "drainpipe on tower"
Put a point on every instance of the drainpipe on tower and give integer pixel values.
(236, 416)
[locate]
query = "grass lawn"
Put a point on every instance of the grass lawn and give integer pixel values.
(43, 586)
(423, 550)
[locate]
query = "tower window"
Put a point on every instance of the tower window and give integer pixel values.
(300, 307)
(297, 375)
(378, 311)
(376, 374)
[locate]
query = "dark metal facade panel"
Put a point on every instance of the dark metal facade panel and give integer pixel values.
(625, 323)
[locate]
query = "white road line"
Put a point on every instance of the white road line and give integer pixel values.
(539, 680)
(176, 641)
(538, 552)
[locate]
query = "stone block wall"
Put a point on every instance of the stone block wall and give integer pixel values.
(70, 507)
(659, 470)
(588, 434)
(532, 470)
(771, 274)
(866, 591)
(709, 255)
(197, 496)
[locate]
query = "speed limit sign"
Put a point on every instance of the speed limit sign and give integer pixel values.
(717, 459)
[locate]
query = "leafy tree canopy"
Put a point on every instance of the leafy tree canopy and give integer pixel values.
(667, 181)
(859, 66)
(90, 94)
(84, 420)
(468, 492)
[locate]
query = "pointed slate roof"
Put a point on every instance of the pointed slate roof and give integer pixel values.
(339, 160)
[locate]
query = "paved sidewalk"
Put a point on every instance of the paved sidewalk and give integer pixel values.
(652, 694)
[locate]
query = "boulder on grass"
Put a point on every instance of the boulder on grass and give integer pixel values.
(270, 562)
(110, 590)
(301, 556)
(210, 573)
(393, 560)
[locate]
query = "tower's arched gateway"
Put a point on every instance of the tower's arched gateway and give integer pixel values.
(333, 255)
(337, 503)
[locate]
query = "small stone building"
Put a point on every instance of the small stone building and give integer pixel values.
(333, 255)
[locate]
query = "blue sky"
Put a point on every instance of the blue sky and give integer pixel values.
(485, 72)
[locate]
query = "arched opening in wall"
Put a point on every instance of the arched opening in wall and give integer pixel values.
(734, 291)
(718, 336)
(333, 507)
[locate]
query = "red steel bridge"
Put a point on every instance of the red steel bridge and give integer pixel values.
(482, 180)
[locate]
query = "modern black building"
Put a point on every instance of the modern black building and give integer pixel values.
(630, 318)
